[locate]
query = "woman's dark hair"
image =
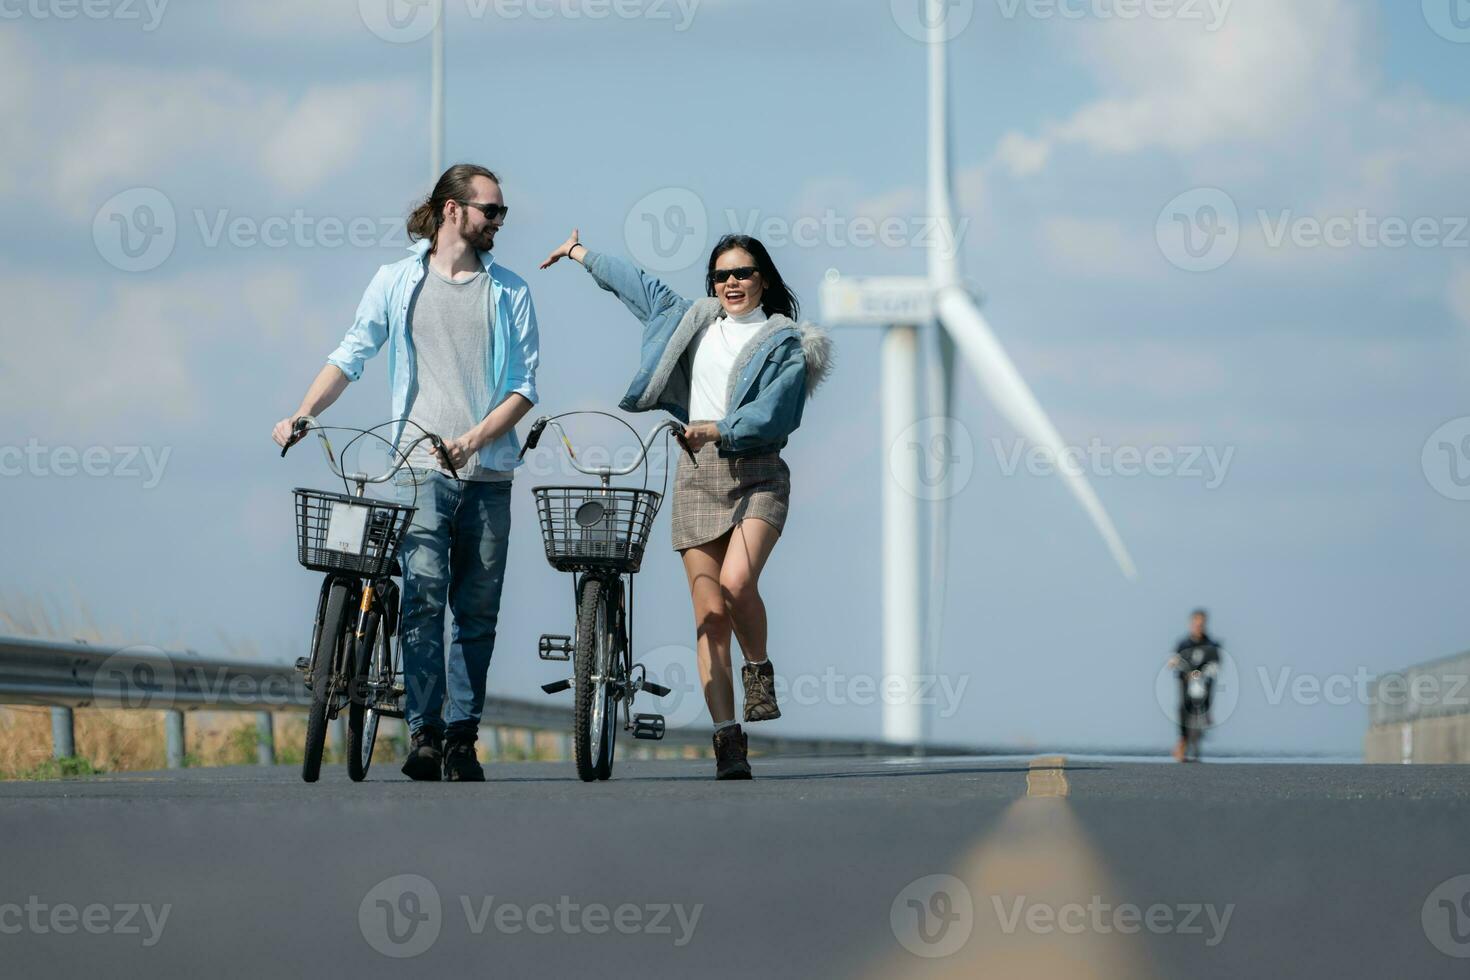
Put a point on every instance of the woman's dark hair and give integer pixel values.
(456, 184)
(778, 297)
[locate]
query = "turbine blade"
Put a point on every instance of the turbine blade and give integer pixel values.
(1011, 395)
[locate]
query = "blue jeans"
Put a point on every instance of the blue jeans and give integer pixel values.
(454, 549)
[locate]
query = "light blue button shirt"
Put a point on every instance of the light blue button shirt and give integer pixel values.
(515, 350)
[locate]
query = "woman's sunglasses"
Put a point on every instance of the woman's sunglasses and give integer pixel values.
(743, 273)
(490, 211)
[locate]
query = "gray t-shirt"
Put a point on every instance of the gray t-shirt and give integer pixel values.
(451, 327)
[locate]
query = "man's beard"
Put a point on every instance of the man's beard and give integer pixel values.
(482, 240)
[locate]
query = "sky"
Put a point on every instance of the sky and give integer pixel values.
(1225, 243)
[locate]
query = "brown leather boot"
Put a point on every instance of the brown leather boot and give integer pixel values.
(1179, 748)
(759, 681)
(730, 761)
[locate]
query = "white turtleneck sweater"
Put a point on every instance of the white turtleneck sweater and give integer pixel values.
(715, 349)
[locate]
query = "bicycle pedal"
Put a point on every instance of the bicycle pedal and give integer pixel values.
(554, 646)
(648, 726)
(657, 690)
(556, 687)
(303, 664)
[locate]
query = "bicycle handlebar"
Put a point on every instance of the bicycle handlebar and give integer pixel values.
(539, 426)
(305, 423)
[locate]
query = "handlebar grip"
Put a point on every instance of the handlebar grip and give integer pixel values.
(298, 429)
(678, 431)
(439, 448)
(534, 436)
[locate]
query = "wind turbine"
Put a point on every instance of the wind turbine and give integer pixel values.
(900, 304)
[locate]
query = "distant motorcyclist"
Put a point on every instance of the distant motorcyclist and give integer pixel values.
(1196, 661)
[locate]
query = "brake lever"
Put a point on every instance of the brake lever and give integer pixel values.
(534, 436)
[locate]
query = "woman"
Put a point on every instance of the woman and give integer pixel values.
(736, 368)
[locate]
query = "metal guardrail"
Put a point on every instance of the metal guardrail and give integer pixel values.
(80, 675)
(1433, 690)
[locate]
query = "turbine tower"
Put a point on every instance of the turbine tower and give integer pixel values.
(912, 595)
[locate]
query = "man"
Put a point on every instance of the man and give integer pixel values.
(1198, 651)
(462, 349)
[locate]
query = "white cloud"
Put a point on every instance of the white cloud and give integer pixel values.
(1021, 155)
(110, 127)
(325, 131)
(138, 353)
(1167, 83)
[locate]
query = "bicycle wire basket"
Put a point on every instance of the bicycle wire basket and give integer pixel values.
(592, 527)
(336, 532)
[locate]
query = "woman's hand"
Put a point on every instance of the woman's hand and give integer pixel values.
(562, 251)
(699, 436)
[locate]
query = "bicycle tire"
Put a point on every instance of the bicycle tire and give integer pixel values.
(329, 638)
(617, 661)
(362, 721)
(592, 618)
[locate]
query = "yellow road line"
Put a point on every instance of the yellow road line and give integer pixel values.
(1047, 777)
(1012, 904)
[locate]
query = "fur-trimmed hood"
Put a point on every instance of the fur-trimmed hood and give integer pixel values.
(816, 349)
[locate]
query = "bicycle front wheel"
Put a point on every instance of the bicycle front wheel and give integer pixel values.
(594, 713)
(324, 657)
(362, 718)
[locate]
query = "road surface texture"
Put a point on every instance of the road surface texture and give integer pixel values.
(843, 867)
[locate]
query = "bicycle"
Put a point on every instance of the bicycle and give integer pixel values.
(355, 540)
(599, 535)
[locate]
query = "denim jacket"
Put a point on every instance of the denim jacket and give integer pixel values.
(772, 377)
(382, 317)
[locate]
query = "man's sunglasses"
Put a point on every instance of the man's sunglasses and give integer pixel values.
(743, 273)
(490, 211)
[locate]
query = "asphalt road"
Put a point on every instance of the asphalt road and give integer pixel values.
(997, 867)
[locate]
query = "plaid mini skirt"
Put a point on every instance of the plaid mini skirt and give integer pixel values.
(723, 491)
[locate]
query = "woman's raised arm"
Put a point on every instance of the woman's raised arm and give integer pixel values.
(645, 296)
